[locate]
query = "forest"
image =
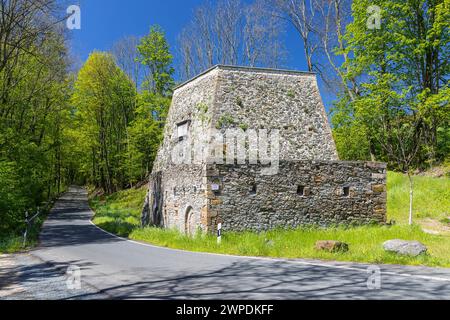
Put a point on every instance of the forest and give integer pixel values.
(387, 62)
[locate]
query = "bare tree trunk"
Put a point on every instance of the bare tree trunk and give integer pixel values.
(231, 32)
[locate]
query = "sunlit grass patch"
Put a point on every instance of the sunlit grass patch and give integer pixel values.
(365, 243)
(431, 197)
(119, 213)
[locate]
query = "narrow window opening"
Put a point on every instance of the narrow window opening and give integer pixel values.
(346, 191)
(254, 189)
(301, 190)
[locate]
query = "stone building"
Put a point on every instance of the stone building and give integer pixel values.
(190, 189)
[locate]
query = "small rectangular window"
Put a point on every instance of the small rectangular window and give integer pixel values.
(346, 191)
(254, 189)
(301, 190)
(182, 130)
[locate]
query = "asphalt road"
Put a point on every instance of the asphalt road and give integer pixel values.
(110, 267)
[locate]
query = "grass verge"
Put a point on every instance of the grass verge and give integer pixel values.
(120, 213)
(13, 243)
(431, 198)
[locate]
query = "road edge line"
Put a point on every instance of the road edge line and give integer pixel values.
(406, 275)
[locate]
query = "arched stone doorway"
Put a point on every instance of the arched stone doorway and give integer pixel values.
(190, 226)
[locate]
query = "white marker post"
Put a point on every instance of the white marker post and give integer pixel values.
(219, 233)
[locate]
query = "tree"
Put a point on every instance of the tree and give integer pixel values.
(146, 133)
(403, 71)
(33, 108)
(154, 53)
(231, 32)
(152, 103)
(104, 100)
(23, 25)
(262, 36)
(127, 58)
(301, 14)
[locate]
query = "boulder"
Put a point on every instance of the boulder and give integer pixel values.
(402, 247)
(332, 246)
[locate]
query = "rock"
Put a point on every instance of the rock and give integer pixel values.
(410, 248)
(331, 246)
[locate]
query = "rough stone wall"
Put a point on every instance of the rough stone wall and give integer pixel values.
(273, 99)
(183, 188)
(191, 102)
(252, 98)
(278, 203)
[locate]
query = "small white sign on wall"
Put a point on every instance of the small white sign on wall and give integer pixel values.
(215, 187)
(182, 130)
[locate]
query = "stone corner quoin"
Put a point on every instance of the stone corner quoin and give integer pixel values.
(311, 186)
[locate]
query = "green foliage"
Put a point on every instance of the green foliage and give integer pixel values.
(153, 102)
(401, 72)
(244, 126)
(118, 130)
(224, 121)
(443, 142)
(146, 133)
(34, 109)
(12, 199)
(291, 94)
(202, 109)
(11, 244)
(155, 54)
(104, 98)
(351, 142)
(11, 240)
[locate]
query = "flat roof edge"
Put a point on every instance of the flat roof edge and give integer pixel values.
(256, 69)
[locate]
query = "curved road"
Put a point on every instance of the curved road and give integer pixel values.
(116, 268)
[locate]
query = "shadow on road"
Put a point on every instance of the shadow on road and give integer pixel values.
(275, 280)
(68, 223)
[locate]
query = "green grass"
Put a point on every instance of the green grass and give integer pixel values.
(13, 243)
(120, 214)
(431, 198)
(365, 244)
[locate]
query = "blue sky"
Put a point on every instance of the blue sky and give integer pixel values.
(103, 22)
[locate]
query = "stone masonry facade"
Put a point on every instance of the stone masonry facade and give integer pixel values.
(304, 193)
(311, 187)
